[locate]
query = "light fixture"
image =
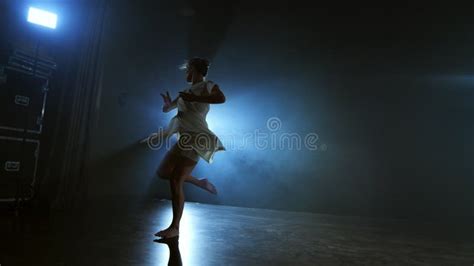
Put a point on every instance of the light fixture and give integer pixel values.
(42, 17)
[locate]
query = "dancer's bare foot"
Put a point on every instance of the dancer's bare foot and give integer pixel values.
(168, 232)
(207, 185)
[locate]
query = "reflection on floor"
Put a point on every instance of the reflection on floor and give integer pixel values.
(223, 235)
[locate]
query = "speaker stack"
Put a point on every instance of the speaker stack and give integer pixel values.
(24, 84)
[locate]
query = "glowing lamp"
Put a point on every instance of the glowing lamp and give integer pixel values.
(42, 17)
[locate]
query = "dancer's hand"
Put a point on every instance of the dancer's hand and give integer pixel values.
(188, 96)
(166, 99)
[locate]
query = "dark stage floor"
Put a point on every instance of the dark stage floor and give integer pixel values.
(220, 235)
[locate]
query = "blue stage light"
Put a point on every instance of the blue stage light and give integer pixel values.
(42, 17)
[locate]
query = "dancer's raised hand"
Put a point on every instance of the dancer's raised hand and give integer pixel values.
(166, 98)
(167, 101)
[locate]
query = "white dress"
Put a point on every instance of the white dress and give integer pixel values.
(191, 121)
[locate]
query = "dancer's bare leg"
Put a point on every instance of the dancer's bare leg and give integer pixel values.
(203, 183)
(166, 169)
(183, 169)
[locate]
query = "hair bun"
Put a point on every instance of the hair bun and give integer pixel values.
(199, 60)
(201, 64)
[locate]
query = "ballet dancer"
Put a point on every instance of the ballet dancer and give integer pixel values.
(195, 139)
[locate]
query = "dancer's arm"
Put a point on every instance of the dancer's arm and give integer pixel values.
(168, 105)
(216, 96)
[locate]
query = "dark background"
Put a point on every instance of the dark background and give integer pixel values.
(389, 91)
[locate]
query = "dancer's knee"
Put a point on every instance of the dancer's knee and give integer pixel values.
(176, 180)
(163, 174)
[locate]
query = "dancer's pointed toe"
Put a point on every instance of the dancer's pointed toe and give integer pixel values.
(209, 186)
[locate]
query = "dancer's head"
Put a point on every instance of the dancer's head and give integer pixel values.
(196, 69)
